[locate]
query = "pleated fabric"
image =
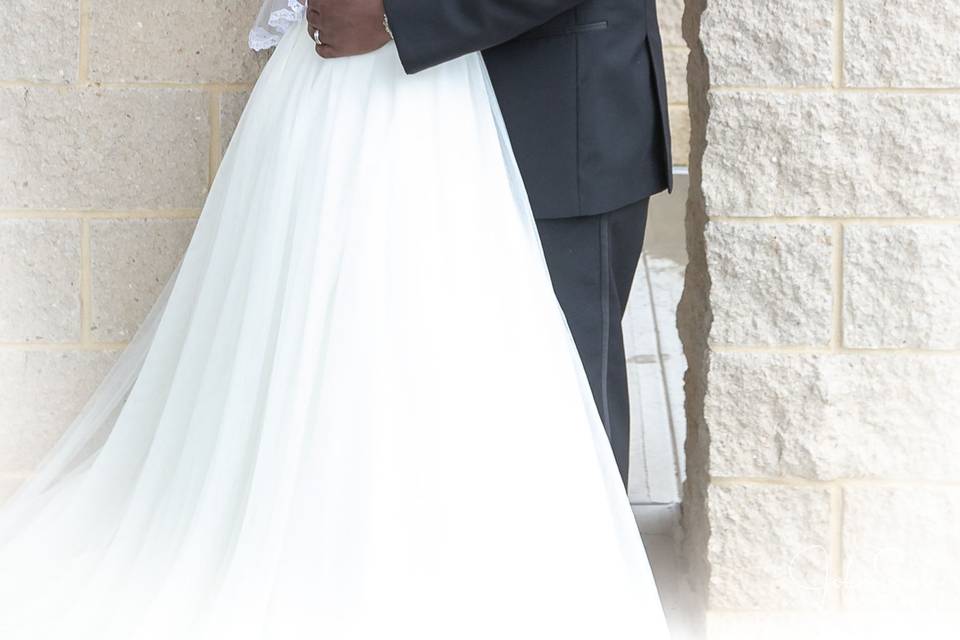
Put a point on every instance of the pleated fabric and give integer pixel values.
(356, 411)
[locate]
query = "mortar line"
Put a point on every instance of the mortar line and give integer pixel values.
(838, 289)
(197, 86)
(733, 611)
(83, 54)
(29, 214)
(838, 50)
(829, 220)
(86, 295)
(214, 122)
(844, 482)
(62, 346)
(831, 90)
(829, 350)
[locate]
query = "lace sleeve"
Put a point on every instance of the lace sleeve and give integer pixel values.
(276, 17)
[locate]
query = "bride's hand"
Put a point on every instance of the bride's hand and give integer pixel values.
(346, 27)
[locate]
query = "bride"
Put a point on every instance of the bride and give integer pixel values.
(355, 412)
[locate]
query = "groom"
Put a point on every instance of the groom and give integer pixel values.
(582, 90)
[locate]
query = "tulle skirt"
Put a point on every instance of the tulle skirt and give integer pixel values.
(356, 411)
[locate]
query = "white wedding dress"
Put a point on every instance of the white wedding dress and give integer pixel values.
(355, 413)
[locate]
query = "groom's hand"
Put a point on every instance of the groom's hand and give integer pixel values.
(346, 27)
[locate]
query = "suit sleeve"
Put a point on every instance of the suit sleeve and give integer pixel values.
(429, 32)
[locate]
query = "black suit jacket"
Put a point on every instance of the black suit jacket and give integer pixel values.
(580, 82)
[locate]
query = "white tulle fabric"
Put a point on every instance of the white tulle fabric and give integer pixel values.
(276, 17)
(355, 413)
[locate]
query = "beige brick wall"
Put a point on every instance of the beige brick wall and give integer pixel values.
(113, 118)
(675, 55)
(821, 317)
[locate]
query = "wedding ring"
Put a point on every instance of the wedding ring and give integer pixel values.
(316, 37)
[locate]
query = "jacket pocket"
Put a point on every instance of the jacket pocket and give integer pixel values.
(552, 31)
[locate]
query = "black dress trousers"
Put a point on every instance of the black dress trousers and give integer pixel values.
(592, 261)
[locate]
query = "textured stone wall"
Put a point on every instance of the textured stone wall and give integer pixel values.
(821, 317)
(113, 117)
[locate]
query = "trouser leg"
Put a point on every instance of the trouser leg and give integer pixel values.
(592, 261)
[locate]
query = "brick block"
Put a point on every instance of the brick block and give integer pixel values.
(39, 280)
